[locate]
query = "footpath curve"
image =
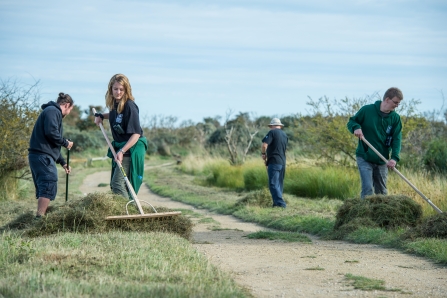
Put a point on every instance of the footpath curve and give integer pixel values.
(278, 269)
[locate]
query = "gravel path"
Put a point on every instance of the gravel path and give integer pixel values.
(278, 269)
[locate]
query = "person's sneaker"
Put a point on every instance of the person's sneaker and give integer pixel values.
(38, 217)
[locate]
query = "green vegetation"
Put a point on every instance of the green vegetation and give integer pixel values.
(315, 268)
(314, 216)
(225, 175)
(111, 264)
(18, 105)
(305, 179)
(368, 284)
(98, 263)
(284, 236)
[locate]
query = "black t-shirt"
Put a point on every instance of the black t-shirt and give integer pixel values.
(276, 139)
(128, 120)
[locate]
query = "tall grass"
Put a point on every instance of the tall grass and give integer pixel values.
(434, 187)
(222, 174)
(317, 182)
(305, 179)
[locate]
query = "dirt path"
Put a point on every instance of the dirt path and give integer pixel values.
(278, 269)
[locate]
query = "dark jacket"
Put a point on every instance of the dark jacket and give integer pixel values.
(46, 137)
(374, 125)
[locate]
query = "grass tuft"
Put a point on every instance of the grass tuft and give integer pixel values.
(368, 284)
(284, 236)
(259, 198)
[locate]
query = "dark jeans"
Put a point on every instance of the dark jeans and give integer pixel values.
(276, 175)
(373, 178)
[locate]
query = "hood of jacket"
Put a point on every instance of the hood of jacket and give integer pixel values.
(50, 104)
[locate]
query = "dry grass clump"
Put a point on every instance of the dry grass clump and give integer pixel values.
(434, 226)
(387, 212)
(88, 214)
(261, 198)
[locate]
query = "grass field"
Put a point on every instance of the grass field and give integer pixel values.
(112, 264)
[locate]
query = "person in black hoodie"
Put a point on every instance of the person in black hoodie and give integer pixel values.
(44, 150)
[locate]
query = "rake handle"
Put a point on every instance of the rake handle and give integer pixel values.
(129, 186)
(66, 179)
(402, 176)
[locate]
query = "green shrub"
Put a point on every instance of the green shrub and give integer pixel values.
(435, 158)
(83, 140)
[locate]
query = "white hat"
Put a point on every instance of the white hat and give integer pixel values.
(276, 121)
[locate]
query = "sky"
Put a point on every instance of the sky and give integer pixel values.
(197, 59)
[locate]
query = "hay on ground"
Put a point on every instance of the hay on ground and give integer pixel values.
(260, 198)
(434, 226)
(382, 211)
(88, 214)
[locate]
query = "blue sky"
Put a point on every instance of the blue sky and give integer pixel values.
(196, 59)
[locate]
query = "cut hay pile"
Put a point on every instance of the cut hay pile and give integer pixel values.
(434, 226)
(260, 198)
(88, 214)
(387, 212)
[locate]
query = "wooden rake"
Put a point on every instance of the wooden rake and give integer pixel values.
(132, 192)
(402, 176)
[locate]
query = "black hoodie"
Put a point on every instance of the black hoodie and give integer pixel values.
(47, 133)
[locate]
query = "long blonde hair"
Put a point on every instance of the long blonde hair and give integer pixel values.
(110, 100)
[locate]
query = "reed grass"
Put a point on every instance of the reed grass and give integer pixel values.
(304, 178)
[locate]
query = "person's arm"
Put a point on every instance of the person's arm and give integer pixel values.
(395, 145)
(354, 123)
(132, 141)
(99, 117)
(264, 151)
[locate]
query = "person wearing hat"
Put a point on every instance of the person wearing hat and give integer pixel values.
(273, 152)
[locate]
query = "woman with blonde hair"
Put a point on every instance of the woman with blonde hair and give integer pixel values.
(128, 140)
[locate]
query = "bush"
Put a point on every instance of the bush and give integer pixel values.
(435, 158)
(18, 113)
(83, 140)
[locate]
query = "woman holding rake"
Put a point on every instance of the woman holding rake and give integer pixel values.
(128, 141)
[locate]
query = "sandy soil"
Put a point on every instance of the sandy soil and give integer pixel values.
(278, 269)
